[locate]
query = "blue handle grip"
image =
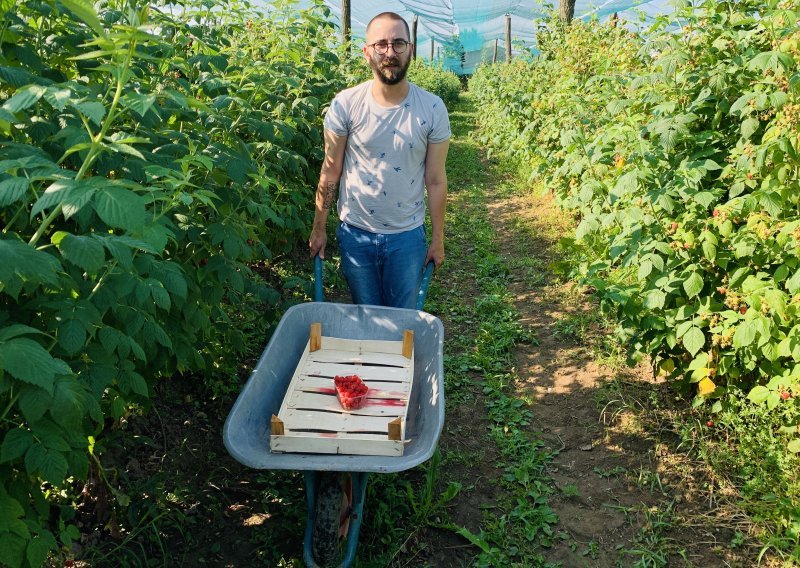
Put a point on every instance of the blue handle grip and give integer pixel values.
(423, 285)
(319, 295)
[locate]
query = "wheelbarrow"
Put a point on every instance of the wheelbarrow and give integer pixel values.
(249, 426)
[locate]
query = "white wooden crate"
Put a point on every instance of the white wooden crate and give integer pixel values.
(311, 420)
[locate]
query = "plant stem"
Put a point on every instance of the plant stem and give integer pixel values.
(95, 150)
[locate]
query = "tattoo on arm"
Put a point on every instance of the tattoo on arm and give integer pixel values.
(329, 192)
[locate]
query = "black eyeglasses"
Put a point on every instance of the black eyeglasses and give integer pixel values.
(399, 46)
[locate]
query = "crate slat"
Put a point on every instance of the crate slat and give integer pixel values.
(336, 445)
(324, 402)
(311, 417)
(367, 373)
(364, 358)
(300, 421)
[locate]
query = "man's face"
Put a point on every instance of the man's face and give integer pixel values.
(389, 67)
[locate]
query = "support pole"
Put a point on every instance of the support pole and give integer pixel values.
(432, 42)
(566, 10)
(414, 37)
(494, 57)
(345, 22)
(508, 38)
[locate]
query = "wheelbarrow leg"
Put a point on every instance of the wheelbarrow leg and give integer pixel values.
(356, 516)
(359, 485)
(311, 502)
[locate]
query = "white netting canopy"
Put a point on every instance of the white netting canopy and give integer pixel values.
(472, 28)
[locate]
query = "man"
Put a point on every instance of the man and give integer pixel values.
(386, 142)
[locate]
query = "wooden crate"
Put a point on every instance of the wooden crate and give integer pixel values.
(311, 420)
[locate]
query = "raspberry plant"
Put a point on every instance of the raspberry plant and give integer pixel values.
(146, 160)
(678, 153)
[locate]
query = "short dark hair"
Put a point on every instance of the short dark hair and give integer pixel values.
(391, 16)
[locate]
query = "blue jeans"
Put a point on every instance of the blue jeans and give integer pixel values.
(382, 269)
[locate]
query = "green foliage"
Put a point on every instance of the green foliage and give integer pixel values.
(444, 84)
(146, 160)
(766, 473)
(679, 154)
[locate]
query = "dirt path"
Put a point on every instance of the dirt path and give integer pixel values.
(622, 493)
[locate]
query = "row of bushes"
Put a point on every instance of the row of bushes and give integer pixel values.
(146, 160)
(679, 153)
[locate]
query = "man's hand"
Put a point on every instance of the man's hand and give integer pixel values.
(435, 253)
(317, 242)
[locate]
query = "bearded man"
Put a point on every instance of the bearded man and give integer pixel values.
(386, 143)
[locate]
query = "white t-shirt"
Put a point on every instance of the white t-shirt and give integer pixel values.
(382, 185)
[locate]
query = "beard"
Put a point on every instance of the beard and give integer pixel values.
(390, 70)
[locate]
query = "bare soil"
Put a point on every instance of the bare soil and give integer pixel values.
(622, 483)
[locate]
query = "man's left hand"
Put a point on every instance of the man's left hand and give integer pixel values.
(435, 254)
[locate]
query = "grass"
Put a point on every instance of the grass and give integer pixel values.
(514, 530)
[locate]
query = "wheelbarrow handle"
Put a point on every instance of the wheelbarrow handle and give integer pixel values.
(423, 285)
(319, 295)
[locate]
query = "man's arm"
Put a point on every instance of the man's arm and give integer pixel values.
(326, 190)
(436, 184)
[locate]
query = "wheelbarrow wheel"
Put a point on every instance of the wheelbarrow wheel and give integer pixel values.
(325, 543)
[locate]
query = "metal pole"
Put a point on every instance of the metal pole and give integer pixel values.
(432, 42)
(508, 38)
(345, 21)
(494, 57)
(414, 36)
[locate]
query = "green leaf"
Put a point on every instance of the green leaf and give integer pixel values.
(749, 127)
(794, 446)
(71, 335)
(57, 97)
(83, 251)
(160, 296)
(709, 250)
(133, 382)
(53, 196)
(24, 98)
(745, 334)
(773, 203)
(50, 464)
(793, 283)
(119, 207)
(15, 444)
(693, 340)
(645, 268)
(26, 262)
(140, 103)
(12, 189)
(15, 330)
(15, 76)
(774, 60)
(34, 402)
(84, 9)
(69, 402)
(12, 553)
(29, 362)
(93, 110)
(693, 285)
(758, 394)
(37, 551)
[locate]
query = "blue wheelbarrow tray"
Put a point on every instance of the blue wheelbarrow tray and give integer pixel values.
(247, 429)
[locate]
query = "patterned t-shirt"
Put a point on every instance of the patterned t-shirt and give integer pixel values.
(382, 185)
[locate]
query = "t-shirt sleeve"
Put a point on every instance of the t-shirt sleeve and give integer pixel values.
(440, 130)
(336, 119)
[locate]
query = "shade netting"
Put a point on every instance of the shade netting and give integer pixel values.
(459, 34)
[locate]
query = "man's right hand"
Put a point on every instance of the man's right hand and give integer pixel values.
(317, 242)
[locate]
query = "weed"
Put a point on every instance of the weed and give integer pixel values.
(650, 547)
(570, 490)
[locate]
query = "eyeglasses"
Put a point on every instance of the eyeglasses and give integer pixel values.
(399, 46)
